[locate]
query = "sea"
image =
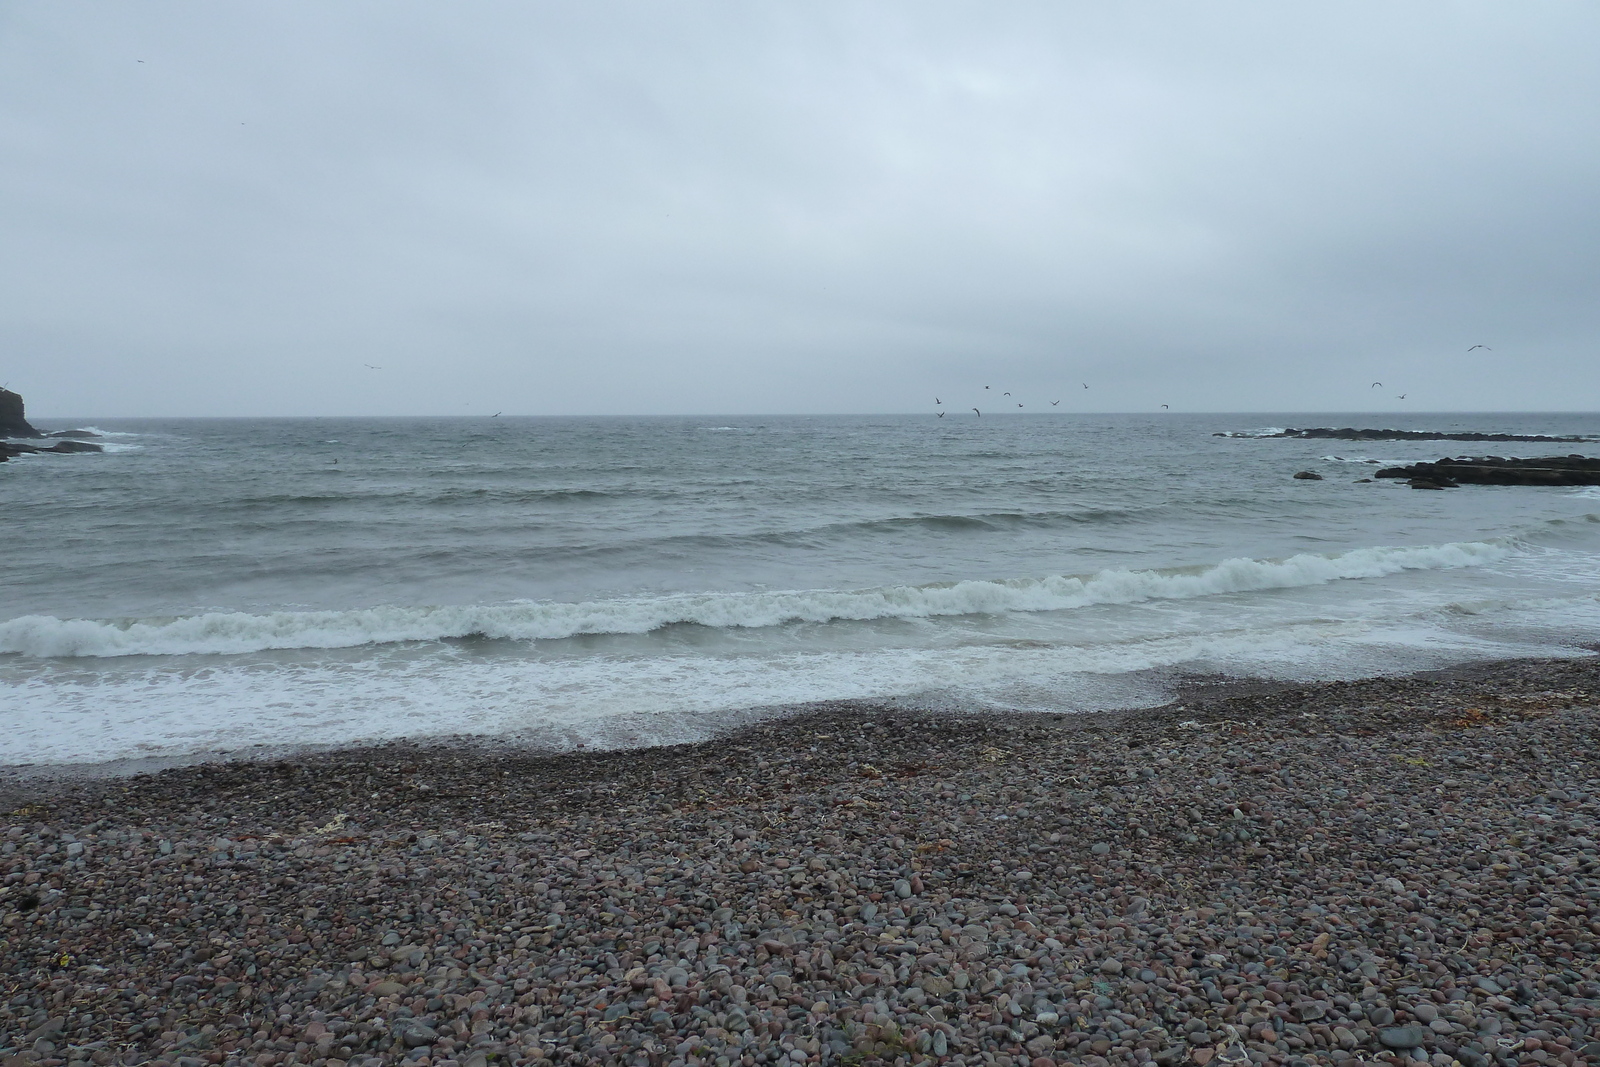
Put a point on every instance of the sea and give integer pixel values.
(221, 588)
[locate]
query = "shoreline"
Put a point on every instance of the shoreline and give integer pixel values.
(1391, 869)
(1186, 690)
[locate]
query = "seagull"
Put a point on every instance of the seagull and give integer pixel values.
(496, 415)
(936, 400)
(1005, 394)
(1053, 403)
(1086, 385)
(1402, 396)
(939, 413)
(1376, 384)
(1019, 405)
(986, 387)
(1485, 347)
(1165, 408)
(371, 367)
(979, 413)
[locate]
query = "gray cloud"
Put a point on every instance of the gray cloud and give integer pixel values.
(755, 207)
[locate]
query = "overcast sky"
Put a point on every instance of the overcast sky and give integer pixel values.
(757, 207)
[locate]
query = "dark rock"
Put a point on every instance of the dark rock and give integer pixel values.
(12, 448)
(1494, 470)
(12, 422)
(1429, 483)
(1349, 434)
(73, 446)
(1403, 1037)
(1308, 476)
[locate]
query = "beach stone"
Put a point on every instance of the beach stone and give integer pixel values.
(415, 1034)
(1403, 1037)
(1425, 1012)
(1100, 848)
(1111, 966)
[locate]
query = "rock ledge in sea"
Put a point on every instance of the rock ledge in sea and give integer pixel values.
(1349, 434)
(1495, 470)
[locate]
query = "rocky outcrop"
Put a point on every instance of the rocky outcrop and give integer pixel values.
(1495, 470)
(12, 421)
(1350, 434)
(81, 435)
(12, 448)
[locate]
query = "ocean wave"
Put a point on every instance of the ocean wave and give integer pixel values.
(223, 633)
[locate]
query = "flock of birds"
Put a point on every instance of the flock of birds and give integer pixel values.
(940, 410)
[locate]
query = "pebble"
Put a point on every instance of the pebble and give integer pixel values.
(1338, 873)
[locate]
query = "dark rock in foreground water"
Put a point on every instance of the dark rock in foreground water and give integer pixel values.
(1350, 434)
(1494, 470)
(1387, 871)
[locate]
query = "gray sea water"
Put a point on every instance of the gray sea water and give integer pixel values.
(218, 585)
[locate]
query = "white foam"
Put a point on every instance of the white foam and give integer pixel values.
(239, 632)
(66, 714)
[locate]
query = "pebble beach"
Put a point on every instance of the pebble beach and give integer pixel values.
(1392, 871)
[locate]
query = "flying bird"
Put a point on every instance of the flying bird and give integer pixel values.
(936, 400)
(1019, 405)
(371, 367)
(986, 387)
(939, 413)
(1376, 384)
(496, 415)
(1053, 403)
(1165, 408)
(979, 413)
(1005, 394)
(1086, 385)
(1485, 347)
(1402, 396)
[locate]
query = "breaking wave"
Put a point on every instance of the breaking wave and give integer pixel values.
(238, 632)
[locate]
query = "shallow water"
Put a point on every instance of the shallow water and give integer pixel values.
(220, 584)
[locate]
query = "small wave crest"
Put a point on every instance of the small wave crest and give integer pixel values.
(238, 632)
(1265, 431)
